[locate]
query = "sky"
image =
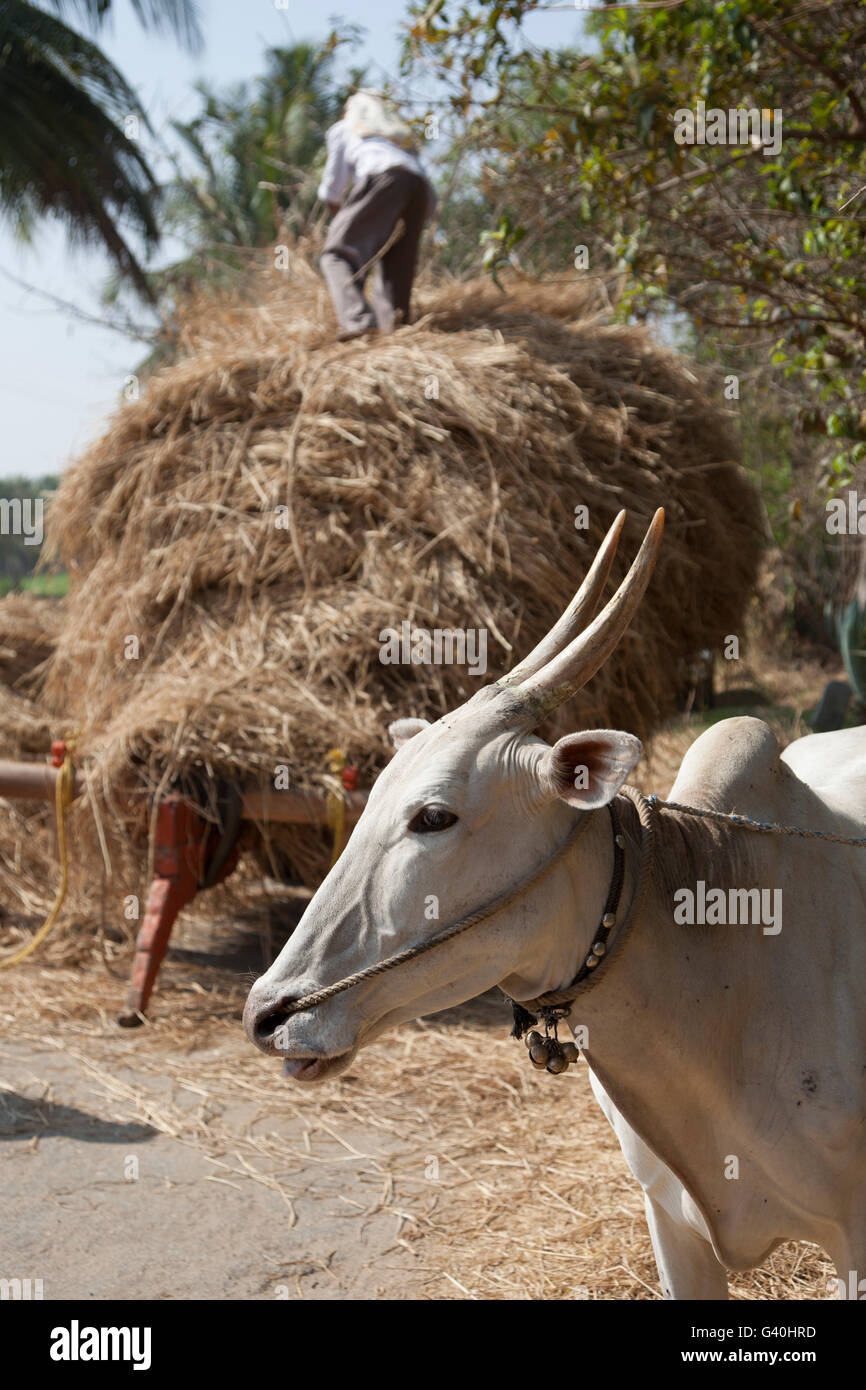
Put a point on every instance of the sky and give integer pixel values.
(60, 377)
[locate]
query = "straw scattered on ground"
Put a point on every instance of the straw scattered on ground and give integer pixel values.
(502, 1183)
(532, 1197)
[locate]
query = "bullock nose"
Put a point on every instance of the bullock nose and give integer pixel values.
(262, 1018)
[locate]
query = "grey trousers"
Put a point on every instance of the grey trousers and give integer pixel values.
(357, 234)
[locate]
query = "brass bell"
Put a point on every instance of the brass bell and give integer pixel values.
(533, 1037)
(539, 1053)
(570, 1051)
(557, 1064)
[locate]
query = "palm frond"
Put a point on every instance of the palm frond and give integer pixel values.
(64, 150)
(179, 17)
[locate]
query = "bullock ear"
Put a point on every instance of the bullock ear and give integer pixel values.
(403, 729)
(587, 770)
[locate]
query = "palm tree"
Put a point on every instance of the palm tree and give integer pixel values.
(64, 143)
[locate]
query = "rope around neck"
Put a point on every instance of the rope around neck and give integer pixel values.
(506, 899)
(645, 805)
(561, 998)
(763, 827)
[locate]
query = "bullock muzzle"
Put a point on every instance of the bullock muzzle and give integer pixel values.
(276, 1030)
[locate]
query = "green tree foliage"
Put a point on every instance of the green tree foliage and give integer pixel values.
(18, 559)
(762, 252)
(65, 149)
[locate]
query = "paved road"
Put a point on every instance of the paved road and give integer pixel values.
(101, 1205)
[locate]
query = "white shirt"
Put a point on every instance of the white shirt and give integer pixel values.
(352, 159)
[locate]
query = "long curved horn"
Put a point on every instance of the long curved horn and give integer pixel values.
(576, 616)
(571, 668)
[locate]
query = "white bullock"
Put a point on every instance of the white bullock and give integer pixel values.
(730, 1059)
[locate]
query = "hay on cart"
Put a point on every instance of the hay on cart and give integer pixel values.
(242, 535)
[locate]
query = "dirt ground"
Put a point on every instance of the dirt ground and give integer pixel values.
(112, 1207)
(175, 1162)
(144, 1163)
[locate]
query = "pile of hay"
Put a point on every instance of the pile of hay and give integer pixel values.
(28, 631)
(243, 533)
(29, 628)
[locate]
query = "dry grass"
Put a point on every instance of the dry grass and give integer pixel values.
(533, 1199)
(258, 646)
(28, 631)
(529, 1197)
(787, 693)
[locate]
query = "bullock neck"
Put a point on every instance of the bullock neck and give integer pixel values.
(630, 941)
(663, 1036)
(618, 855)
(631, 1009)
(568, 918)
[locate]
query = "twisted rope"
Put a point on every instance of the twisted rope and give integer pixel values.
(762, 827)
(560, 998)
(336, 806)
(506, 899)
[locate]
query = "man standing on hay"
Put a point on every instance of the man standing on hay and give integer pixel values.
(380, 224)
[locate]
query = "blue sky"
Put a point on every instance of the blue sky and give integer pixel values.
(59, 378)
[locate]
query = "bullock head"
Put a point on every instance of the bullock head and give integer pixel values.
(467, 807)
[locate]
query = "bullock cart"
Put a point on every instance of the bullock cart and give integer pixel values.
(245, 535)
(191, 851)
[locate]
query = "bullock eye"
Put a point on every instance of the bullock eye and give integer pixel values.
(431, 818)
